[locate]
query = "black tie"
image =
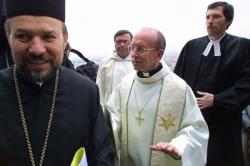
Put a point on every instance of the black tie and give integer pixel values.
(211, 52)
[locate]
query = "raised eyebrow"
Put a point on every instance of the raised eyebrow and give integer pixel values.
(50, 33)
(213, 14)
(19, 30)
(23, 30)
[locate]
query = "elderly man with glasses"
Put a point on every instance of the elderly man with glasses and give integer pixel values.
(154, 114)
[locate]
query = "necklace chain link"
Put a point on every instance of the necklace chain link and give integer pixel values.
(149, 99)
(25, 128)
(139, 117)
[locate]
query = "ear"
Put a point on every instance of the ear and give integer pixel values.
(7, 35)
(65, 39)
(160, 53)
(229, 23)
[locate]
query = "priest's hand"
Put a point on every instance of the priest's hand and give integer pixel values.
(205, 100)
(168, 149)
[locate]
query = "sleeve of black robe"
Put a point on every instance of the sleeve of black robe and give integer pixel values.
(100, 140)
(237, 97)
(181, 63)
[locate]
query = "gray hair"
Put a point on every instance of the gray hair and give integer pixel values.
(161, 41)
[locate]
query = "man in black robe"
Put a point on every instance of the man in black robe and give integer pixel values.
(5, 55)
(217, 68)
(47, 112)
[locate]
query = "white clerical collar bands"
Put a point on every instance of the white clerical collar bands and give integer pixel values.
(146, 74)
(216, 47)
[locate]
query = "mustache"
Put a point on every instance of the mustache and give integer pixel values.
(42, 58)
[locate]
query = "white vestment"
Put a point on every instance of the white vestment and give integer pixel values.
(110, 73)
(246, 124)
(170, 114)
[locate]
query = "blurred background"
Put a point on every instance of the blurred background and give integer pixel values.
(93, 23)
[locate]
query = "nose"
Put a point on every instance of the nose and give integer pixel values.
(133, 53)
(209, 19)
(123, 43)
(37, 46)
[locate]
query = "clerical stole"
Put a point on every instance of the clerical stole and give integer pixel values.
(167, 120)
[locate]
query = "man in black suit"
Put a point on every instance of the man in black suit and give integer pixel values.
(217, 68)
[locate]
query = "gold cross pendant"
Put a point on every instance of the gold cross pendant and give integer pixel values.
(139, 118)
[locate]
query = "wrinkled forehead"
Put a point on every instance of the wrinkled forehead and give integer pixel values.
(145, 38)
(216, 10)
(28, 22)
(124, 36)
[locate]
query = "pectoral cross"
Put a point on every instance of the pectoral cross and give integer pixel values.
(139, 118)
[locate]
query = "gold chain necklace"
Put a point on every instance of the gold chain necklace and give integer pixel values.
(25, 128)
(138, 116)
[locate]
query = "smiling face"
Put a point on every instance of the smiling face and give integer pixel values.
(121, 45)
(37, 45)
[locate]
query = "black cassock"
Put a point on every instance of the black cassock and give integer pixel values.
(78, 121)
(5, 55)
(228, 78)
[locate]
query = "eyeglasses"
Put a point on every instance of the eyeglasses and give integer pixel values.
(140, 50)
(119, 42)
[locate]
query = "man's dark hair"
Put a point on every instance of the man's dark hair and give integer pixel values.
(122, 32)
(228, 10)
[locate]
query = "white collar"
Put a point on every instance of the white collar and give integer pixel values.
(39, 84)
(216, 44)
(146, 74)
(117, 58)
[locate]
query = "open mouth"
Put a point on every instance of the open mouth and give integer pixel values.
(38, 62)
(32, 59)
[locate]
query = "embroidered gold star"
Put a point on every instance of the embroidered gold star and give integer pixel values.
(167, 121)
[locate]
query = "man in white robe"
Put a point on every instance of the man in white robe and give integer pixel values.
(246, 134)
(113, 69)
(154, 115)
